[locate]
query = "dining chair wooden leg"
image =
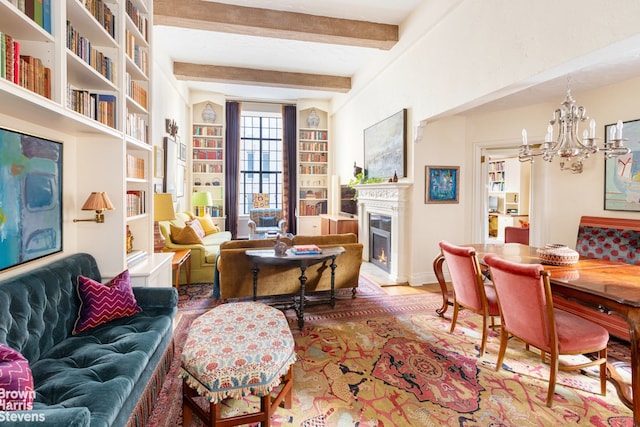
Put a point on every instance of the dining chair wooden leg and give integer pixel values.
(504, 339)
(485, 327)
(454, 317)
(553, 374)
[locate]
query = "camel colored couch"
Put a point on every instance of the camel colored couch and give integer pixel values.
(236, 275)
(203, 256)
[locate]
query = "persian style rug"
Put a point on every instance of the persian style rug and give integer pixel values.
(390, 361)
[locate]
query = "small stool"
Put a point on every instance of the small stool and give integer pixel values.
(234, 350)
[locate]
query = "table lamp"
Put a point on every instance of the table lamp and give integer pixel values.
(200, 199)
(162, 211)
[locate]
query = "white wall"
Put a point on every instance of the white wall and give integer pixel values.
(455, 64)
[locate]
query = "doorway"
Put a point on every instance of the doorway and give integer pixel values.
(507, 190)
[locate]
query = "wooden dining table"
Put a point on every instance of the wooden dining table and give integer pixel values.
(608, 286)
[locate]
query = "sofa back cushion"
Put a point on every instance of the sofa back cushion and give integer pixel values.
(326, 240)
(615, 239)
(39, 307)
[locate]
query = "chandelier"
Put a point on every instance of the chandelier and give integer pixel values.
(567, 146)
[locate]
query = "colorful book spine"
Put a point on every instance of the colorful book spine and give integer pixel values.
(46, 15)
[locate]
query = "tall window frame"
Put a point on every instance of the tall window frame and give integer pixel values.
(261, 159)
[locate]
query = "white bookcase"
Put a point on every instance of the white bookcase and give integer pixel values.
(96, 100)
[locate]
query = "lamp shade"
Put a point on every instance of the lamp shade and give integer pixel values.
(201, 198)
(98, 201)
(163, 207)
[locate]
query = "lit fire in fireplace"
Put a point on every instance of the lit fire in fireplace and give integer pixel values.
(382, 258)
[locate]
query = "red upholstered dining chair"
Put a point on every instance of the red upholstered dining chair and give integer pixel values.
(469, 288)
(527, 312)
(516, 235)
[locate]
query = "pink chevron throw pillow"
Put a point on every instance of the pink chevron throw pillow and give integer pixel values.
(16, 381)
(101, 303)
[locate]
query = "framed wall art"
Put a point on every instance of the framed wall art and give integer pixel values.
(30, 198)
(158, 161)
(441, 184)
(622, 173)
(385, 147)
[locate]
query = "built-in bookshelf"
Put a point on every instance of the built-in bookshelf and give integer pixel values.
(208, 156)
(79, 72)
(313, 168)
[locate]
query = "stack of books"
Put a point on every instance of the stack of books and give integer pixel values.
(306, 249)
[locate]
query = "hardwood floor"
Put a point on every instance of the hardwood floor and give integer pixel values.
(374, 273)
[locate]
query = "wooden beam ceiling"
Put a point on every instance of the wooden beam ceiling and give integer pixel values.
(220, 17)
(249, 76)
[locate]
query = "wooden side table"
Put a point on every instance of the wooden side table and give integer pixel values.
(181, 257)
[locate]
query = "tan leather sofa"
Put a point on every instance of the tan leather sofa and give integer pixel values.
(203, 256)
(236, 274)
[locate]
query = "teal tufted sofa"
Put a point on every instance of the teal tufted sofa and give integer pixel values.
(107, 376)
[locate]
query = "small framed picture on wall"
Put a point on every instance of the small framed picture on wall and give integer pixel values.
(441, 184)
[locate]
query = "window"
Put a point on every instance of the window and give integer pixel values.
(260, 158)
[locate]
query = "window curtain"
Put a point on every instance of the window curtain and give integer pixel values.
(290, 171)
(232, 165)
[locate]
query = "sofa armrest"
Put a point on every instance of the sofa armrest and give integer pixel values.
(148, 298)
(72, 417)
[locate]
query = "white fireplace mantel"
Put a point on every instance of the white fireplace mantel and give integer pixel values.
(391, 199)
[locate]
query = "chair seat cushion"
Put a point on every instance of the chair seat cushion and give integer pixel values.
(577, 335)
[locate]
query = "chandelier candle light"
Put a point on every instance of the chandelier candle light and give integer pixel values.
(567, 145)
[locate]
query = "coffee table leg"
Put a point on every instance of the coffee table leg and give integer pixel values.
(300, 306)
(333, 282)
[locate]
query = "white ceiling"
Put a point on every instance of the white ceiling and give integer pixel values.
(612, 64)
(214, 48)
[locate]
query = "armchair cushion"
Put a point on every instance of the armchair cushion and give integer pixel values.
(267, 221)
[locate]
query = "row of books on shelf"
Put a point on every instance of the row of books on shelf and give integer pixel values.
(213, 211)
(496, 186)
(136, 91)
(207, 168)
(306, 249)
(82, 48)
(137, 53)
(135, 167)
(313, 146)
(97, 106)
(309, 194)
(207, 143)
(313, 157)
(136, 202)
(26, 71)
(103, 14)
(39, 11)
(496, 166)
(313, 208)
(496, 176)
(138, 18)
(137, 127)
(313, 169)
(204, 130)
(317, 135)
(207, 155)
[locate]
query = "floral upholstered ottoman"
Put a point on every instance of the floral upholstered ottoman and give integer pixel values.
(234, 350)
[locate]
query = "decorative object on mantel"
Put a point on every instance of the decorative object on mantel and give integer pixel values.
(557, 254)
(171, 127)
(208, 114)
(357, 170)
(567, 145)
(313, 120)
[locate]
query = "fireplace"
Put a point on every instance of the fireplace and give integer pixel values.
(380, 241)
(384, 218)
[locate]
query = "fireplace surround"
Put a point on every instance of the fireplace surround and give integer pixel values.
(389, 199)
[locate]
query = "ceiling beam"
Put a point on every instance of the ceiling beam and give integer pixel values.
(250, 76)
(220, 17)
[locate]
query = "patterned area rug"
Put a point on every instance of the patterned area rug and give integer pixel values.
(198, 296)
(390, 361)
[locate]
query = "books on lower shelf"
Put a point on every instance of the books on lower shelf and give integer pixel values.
(306, 249)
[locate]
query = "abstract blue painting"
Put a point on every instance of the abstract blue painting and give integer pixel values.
(441, 184)
(622, 173)
(30, 198)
